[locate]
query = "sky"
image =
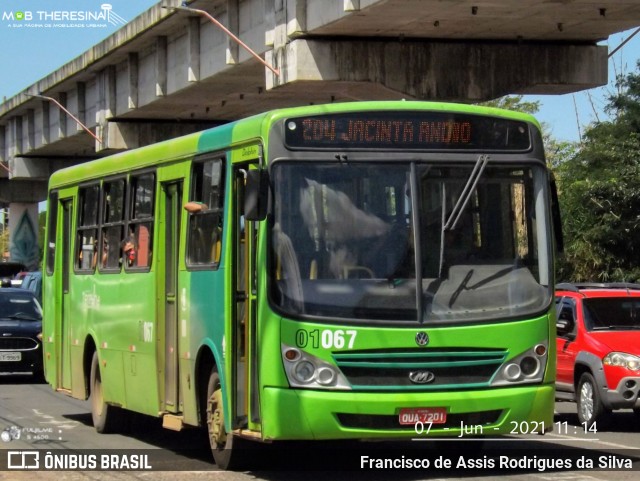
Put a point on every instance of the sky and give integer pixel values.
(41, 45)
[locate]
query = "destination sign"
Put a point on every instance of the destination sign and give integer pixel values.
(406, 130)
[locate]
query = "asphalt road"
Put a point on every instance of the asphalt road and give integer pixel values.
(35, 419)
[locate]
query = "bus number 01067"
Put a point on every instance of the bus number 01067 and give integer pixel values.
(328, 339)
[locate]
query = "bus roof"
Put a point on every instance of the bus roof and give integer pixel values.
(241, 131)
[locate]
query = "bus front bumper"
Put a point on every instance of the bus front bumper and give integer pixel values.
(314, 414)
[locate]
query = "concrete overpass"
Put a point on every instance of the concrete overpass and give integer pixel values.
(170, 72)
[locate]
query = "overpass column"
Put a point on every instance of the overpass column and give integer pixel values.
(23, 239)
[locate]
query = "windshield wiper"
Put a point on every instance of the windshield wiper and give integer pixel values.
(461, 204)
(466, 193)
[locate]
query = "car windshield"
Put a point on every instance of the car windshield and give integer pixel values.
(343, 238)
(19, 306)
(611, 313)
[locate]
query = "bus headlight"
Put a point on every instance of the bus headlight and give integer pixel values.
(528, 367)
(305, 370)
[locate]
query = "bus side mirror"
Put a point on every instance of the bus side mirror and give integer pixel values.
(555, 213)
(256, 195)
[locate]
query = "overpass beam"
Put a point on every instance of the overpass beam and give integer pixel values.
(33, 169)
(131, 135)
(22, 191)
(463, 72)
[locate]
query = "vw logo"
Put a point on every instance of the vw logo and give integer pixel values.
(422, 338)
(421, 377)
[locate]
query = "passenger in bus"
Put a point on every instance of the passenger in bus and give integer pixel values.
(195, 207)
(129, 249)
(94, 256)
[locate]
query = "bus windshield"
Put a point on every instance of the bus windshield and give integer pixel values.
(344, 237)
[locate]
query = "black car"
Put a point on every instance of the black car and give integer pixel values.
(20, 332)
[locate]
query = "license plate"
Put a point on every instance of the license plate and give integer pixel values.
(411, 416)
(10, 356)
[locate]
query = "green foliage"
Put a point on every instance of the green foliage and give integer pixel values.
(4, 241)
(599, 190)
(513, 102)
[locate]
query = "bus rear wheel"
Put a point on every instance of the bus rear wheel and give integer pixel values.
(105, 417)
(225, 455)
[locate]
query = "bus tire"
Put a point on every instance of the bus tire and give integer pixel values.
(225, 454)
(102, 414)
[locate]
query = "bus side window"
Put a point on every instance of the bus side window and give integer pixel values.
(204, 242)
(137, 245)
(87, 233)
(112, 224)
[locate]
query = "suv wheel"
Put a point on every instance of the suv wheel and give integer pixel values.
(590, 408)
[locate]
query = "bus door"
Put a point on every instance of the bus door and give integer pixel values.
(244, 370)
(172, 198)
(64, 356)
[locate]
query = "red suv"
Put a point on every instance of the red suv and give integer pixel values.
(598, 348)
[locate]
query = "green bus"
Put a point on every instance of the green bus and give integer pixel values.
(366, 270)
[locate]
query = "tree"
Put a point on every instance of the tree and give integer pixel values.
(556, 150)
(599, 190)
(513, 102)
(4, 241)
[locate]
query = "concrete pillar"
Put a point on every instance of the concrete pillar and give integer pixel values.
(133, 75)
(31, 130)
(3, 150)
(161, 66)
(193, 69)
(233, 24)
(106, 107)
(23, 237)
(82, 105)
(46, 122)
(15, 137)
(62, 115)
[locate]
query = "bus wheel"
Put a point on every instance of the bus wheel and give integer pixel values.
(221, 442)
(102, 414)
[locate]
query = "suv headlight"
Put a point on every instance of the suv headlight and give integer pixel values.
(622, 359)
(305, 370)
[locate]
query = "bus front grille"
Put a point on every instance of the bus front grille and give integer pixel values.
(420, 370)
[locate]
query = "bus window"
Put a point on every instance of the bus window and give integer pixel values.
(87, 237)
(112, 224)
(138, 245)
(205, 213)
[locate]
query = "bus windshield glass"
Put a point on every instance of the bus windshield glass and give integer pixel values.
(344, 236)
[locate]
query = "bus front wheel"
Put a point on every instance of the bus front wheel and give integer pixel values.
(103, 415)
(222, 443)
